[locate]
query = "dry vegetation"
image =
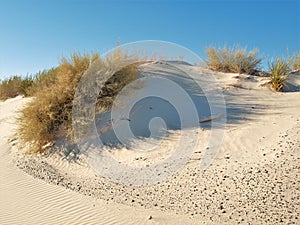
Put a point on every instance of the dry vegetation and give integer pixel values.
(234, 59)
(49, 116)
(237, 60)
(295, 61)
(15, 86)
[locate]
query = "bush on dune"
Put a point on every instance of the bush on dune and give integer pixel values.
(50, 109)
(279, 70)
(49, 116)
(42, 79)
(234, 59)
(114, 85)
(14, 86)
(27, 85)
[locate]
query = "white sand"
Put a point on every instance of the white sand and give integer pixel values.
(27, 200)
(254, 179)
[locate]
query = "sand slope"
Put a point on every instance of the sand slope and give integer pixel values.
(27, 200)
(253, 180)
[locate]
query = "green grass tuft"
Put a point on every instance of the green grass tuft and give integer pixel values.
(279, 70)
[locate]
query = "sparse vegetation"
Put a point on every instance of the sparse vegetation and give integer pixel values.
(234, 59)
(295, 61)
(279, 70)
(49, 116)
(15, 86)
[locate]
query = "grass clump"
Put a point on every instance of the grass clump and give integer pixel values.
(279, 70)
(48, 117)
(295, 61)
(234, 60)
(14, 86)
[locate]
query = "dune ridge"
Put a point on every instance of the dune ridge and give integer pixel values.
(254, 178)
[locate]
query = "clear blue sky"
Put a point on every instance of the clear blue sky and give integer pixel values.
(36, 34)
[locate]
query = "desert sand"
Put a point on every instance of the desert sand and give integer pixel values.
(29, 199)
(254, 178)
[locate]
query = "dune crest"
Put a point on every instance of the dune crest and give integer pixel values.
(254, 177)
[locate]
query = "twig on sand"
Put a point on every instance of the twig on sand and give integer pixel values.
(209, 119)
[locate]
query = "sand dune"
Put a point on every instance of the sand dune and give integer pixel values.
(253, 179)
(27, 200)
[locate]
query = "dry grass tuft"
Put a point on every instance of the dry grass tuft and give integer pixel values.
(234, 59)
(295, 61)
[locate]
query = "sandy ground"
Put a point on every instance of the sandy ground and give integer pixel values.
(253, 180)
(27, 200)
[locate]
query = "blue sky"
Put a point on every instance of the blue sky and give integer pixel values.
(36, 34)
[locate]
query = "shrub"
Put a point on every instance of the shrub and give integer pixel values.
(25, 85)
(42, 80)
(234, 59)
(279, 70)
(49, 112)
(15, 86)
(49, 116)
(114, 85)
